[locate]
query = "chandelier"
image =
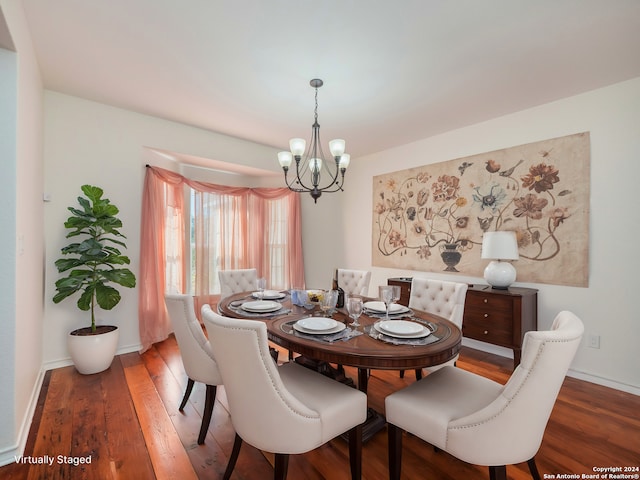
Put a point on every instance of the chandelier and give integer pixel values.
(308, 171)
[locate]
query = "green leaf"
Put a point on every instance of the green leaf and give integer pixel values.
(84, 302)
(93, 193)
(107, 297)
(121, 276)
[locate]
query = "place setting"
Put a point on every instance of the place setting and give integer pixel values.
(269, 295)
(386, 307)
(258, 308)
(261, 303)
(377, 309)
(323, 329)
(403, 332)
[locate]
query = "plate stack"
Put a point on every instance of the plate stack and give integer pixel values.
(401, 329)
(377, 309)
(261, 306)
(269, 295)
(318, 326)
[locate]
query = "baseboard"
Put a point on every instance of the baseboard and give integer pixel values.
(487, 347)
(9, 455)
(605, 382)
(587, 377)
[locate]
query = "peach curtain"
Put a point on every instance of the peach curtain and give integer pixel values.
(244, 220)
(162, 195)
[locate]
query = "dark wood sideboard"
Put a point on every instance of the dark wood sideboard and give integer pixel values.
(498, 317)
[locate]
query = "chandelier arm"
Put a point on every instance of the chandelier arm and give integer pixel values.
(300, 174)
(339, 183)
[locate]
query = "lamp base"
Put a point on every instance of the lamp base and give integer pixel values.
(500, 274)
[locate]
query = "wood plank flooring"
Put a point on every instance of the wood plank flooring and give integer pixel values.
(126, 421)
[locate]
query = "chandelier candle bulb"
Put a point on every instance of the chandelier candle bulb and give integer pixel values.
(337, 147)
(315, 164)
(297, 146)
(285, 159)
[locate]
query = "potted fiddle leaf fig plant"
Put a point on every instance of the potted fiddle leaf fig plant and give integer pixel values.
(93, 263)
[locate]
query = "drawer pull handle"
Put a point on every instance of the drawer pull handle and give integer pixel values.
(486, 315)
(486, 300)
(486, 332)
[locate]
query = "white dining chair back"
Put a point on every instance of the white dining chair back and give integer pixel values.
(196, 353)
(285, 409)
(237, 281)
(440, 297)
(354, 282)
(481, 421)
(443, 298)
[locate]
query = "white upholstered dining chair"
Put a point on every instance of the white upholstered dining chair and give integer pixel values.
(354, 282)
(480, 421)
(236, 281)
(197, 355)
(440, 297)
(286, 409)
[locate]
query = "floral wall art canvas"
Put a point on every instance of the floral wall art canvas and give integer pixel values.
(432, 218)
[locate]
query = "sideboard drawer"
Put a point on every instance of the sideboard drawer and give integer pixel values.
(491, 328)
(487, 303)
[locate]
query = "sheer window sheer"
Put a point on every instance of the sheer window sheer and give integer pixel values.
(232, 227)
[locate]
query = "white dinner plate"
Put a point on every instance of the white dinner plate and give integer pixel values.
(379, 307)
(337, 328)
(261, 306)
(269, 295)
(401, 329)
(317, 324)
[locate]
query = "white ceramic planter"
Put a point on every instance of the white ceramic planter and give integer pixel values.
(93, 353)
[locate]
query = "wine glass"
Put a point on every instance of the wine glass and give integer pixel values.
(385, 293)
(328, 302)
(354, 307)
(262, 284)
(396, 293)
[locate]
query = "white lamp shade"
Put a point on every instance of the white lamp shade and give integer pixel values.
(336, 147)
(345, 159)
(285, 159)
(499, 246)
(297, 146)
(315, 164)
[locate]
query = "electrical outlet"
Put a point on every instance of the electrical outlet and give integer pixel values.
(593, 341)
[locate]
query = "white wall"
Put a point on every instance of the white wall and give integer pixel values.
(21, 237)
(8, 77)
(607, 307)
(88, 142)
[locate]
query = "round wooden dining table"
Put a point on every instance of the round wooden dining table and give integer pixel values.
(364, 352)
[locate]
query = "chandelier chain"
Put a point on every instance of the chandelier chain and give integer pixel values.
(316, 109)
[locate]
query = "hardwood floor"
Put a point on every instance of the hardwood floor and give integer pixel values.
(126, 421)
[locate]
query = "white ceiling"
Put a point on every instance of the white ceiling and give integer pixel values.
(393, 71)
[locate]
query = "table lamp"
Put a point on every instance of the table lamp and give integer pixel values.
(498, 247)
